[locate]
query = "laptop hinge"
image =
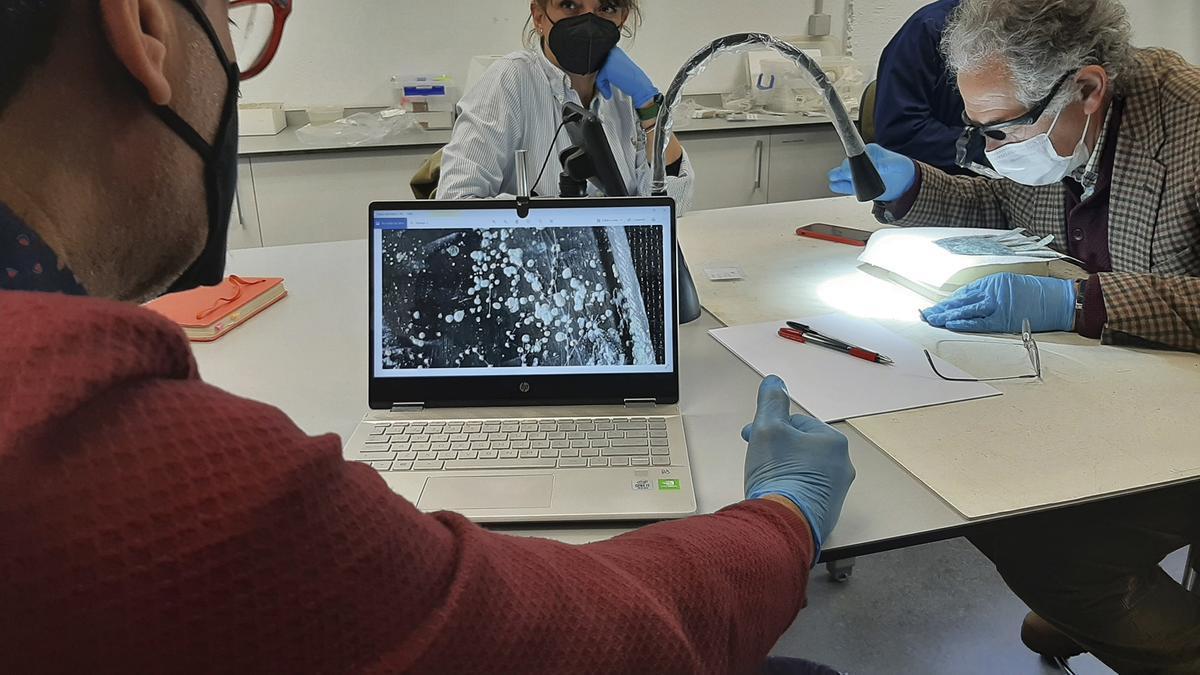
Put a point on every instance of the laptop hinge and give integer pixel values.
(408, 407)
(640, 402)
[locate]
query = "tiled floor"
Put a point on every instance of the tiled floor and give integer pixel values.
(935, 609)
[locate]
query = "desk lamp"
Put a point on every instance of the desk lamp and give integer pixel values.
(867, 183)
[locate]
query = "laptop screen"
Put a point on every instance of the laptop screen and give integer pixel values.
(482, 292)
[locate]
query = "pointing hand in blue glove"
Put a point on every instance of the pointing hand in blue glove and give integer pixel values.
(620, 71)
(898, 173)
(797, 457)
(1001, 302)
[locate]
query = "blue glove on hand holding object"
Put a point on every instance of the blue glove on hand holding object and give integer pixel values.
(799, 458)
(620, 71)
(898, 173)
(1001, 302)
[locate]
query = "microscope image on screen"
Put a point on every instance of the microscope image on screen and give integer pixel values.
(522, 297)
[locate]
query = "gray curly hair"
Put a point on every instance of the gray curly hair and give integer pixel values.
(1040, 41)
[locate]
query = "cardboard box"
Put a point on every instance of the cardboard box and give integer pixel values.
(261, 119)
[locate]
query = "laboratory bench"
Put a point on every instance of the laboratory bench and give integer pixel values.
(1019, 443)
(290, 192)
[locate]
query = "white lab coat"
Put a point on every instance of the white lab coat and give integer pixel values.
(516, 105)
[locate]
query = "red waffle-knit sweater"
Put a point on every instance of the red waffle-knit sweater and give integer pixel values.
(150, 522)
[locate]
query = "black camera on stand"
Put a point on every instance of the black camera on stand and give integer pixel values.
(590, 159)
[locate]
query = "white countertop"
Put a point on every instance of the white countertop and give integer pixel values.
(286, 141)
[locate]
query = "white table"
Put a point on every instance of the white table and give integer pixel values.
(308, 356)
(1106, 420)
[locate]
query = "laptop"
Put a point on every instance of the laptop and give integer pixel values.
(526, 369)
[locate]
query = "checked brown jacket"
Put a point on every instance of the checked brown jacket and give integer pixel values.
(1153, 294)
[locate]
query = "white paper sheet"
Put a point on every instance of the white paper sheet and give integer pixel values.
(833, 386)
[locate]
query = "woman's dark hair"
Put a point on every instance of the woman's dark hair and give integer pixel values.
(27, 30)
(632, 9)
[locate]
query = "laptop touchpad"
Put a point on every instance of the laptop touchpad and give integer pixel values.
(486, 492)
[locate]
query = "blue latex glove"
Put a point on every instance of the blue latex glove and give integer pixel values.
(1001, 302)
(797, 457)
(620, 71)
(898, 173)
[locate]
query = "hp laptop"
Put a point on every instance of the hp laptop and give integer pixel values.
(524, 361)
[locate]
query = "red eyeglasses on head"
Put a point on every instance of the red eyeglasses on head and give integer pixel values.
(256, 27)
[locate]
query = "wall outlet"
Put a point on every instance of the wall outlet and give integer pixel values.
(820, 25)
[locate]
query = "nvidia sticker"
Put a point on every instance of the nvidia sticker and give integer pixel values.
(669, 484)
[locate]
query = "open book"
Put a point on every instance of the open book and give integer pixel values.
(937, 261)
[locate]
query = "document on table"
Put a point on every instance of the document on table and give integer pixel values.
(833, 386)
(936, 261)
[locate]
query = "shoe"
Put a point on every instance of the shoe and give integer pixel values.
(1042, 638)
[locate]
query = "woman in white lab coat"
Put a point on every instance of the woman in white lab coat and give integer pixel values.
(572, 56)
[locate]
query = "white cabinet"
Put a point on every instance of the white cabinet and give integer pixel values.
(305, 197)
(314, 197)
(732, 169)
(243, 224)
(800, 161)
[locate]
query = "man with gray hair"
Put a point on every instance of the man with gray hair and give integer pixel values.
(1100, 146)
(1096, 143)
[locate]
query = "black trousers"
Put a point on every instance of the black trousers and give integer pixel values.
(1093, 572)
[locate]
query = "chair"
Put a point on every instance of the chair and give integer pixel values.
(424, 182)
(866, 113)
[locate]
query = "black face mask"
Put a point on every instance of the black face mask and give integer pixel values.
(582, 43)
(220, 168)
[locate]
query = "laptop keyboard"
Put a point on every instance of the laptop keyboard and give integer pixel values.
(558, 443)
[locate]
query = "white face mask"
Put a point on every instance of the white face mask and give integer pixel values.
(1035, 162)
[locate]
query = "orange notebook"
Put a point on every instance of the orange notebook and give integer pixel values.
(207, 313)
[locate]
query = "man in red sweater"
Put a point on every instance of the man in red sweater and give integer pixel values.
(152, 523)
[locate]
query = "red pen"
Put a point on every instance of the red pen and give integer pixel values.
(845, 348)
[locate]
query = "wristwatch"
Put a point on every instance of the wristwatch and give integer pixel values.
(1080, 294)
(650, 113)
(883, 213)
